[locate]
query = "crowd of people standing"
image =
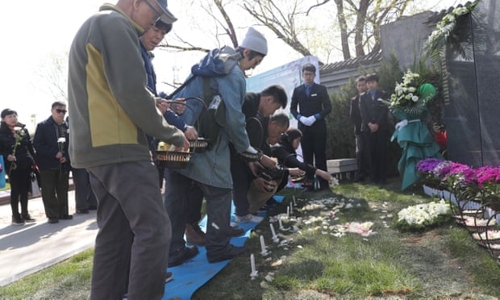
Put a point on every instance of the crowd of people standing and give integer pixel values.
(117, 119)
(42, 162)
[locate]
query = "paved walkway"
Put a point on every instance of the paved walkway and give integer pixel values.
(34, 246)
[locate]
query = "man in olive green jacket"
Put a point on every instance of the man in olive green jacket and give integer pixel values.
(111, 113)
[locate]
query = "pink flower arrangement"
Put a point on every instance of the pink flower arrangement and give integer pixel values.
(480, 184)
(487, 175)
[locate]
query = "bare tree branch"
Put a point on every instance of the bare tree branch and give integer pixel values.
(230, 27)
(268, 14)
(316, 5)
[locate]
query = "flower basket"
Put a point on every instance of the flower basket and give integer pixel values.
(298, 179)
(198, 146)
(494, 250)
(173, 159)
(463, 209)
(486, 238)
(474, 224)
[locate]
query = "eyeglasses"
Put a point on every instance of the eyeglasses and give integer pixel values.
(61, 111)
(158, 13)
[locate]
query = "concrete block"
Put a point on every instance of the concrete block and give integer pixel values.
(341, 162)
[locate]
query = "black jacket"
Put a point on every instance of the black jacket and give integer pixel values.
(24, 151)
(355, 114)
(317, 103)
(373, 111)
(286, 155)
(46, 145)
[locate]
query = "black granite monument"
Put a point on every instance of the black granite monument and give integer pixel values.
(472, 88)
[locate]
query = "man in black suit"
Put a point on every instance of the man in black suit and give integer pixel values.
(355, 116)
(375, 127)
(314, 104)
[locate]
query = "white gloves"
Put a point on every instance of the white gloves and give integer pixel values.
(401, 124)
(251, 149)
(308, 121)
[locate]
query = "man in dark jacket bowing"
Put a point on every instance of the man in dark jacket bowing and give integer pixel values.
(310, 105)
(259, 106)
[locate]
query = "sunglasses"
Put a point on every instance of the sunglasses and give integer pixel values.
(61, 111)
(158, 13)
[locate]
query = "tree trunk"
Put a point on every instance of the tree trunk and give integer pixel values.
(344, 37)
(359, 27)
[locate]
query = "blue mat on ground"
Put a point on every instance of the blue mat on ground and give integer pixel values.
(193, 274)
(278, 198)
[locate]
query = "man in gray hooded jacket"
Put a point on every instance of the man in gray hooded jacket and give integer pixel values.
(211, 170)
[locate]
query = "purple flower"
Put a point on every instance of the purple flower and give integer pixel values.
(428, 164)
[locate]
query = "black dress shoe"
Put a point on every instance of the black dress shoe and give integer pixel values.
(236, 231)
(230, 253)
(53, 220)
(66, 217)
(82, 211)
(182, 256)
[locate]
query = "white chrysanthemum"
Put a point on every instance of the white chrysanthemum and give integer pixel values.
(421, 213)
(414, 98)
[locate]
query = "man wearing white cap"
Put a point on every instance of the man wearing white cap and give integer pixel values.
(111, 113)
(210, 170)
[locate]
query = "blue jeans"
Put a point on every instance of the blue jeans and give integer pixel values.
(218, 205)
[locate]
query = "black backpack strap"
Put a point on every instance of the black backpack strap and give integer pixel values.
(169, 97)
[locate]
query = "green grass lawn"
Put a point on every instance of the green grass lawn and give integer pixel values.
(319, 263)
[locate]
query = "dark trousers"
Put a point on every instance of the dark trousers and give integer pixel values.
(218, 203)
(361, 157)
(313, 146)
(19, 185)
(84, 196)
(55, 192)
(242, 177)
(377, 144)
(134, 230)
(194, 204)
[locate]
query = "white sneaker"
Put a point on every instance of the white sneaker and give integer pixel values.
(248, 219)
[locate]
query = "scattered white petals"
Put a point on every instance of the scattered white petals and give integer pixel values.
(277, 263)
